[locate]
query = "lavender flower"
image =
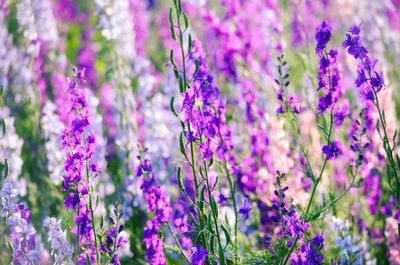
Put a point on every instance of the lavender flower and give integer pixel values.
(27, 249)
(345, 242)
(52, 129)
(10, 149)
(115, 21)
(5, 48)
(9, 199)
(61, 250)
(27, 26)
(45, 22)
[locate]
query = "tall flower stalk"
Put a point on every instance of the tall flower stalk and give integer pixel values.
(370, 82)
(205, 134)
(80, 144)
(329, 85)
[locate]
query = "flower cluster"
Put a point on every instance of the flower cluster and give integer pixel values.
(348, 249)
(27, 249)
(208, 123)
(293, 230)
(328, 74)
(157, 201)
(114, 241)
(218, 124)
(369, 81)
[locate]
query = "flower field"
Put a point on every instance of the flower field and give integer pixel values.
(229, 132)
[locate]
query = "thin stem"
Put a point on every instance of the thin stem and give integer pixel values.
(317, 181)
(232, 189)
(177, 242)
(214, 214)
(92, 215)
(388, 148)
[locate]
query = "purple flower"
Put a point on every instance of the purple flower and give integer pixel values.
(369, 81)
(309, 253)
(26, 247)
(157, 202)
(322, 36)
(114, 241)
(71, 201)
(199, 256)
(245, 209)
(341, 112)
(79, 151)
(332, 150)
(328, 74)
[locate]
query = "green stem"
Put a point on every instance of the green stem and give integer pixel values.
(214, 214)
(177, 242)
(386, 144)
(232, 189)
(316, 181)
(91, 214)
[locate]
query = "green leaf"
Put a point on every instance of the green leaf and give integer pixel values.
(214, 206)
(171, 23)
(227, 235)
(176, 73)
(181, 145)
(210, 162)
(189, 43)
(171, 106)
(179, 7)
(196, 69)
(3, 127)
(171, 58)
(221, 256)
(180, 182)
(102, 222)
(173, 35)
(398, 160)
(359, 183)
(97, 201)
(202, 193)
(186, 21)
(215, 183)
(181, 87)
(212, 244)
(6, 168)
